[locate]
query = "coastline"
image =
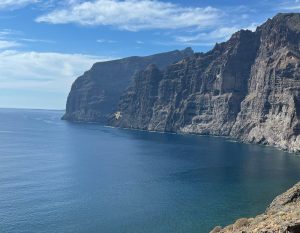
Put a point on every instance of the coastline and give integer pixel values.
(230, 138)
(282, 216)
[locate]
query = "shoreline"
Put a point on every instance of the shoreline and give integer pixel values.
(236, 140)
(282, 216)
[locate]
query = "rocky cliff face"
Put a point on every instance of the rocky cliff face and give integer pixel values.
(96, 93)
(282, 216)
(247, 88)
(270, 112)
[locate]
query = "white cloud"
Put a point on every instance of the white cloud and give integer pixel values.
(289, 5)
(10, 38)
(133, 15)
(208, 38)
(36, 40)
(5, 44)
(292, 7)
(13, 4)
(5, 32)
(211, 37)
(106, 41)
(45, 71)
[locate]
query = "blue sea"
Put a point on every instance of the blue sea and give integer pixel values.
(57, 176)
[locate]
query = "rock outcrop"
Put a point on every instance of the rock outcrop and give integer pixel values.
(282, 216)
(247, 88)
(95, 94)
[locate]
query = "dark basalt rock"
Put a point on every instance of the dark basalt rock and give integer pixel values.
(295, 228)
(96, 93)
(247, 88)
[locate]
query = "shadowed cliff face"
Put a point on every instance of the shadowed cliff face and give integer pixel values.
(95, 95)
(247, 88)
(270, 112)
(200, 94)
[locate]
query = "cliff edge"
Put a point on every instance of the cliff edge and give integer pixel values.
(95, 94)
(282, 216)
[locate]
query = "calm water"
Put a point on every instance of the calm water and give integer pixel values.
(61, 177)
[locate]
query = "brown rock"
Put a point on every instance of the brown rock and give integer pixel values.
(282, 216)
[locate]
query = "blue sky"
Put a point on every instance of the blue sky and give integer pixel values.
(46, 44)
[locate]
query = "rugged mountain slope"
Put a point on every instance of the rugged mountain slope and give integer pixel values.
(200, 94)
(96, 93)
(270, 112)
(282, 216)
(247, 87)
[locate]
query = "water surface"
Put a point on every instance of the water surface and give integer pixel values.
(57, 176)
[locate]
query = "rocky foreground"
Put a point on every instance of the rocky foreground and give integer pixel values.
(282, 216)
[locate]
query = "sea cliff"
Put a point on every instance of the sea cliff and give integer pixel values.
(94, 96)
(247, 88)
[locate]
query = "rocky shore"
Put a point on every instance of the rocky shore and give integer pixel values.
(282, 216)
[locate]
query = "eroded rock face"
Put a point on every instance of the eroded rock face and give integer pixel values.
(199, 94)
(139, 100)
(247, 88)
(270, 112)
(282, 216)
(95, 94)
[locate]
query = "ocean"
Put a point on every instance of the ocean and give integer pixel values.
(57, 176)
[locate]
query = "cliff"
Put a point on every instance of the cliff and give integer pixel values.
(95, 94)
(282, 216)
(270, 112)
(247, 88)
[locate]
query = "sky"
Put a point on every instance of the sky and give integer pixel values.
(46, 44)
